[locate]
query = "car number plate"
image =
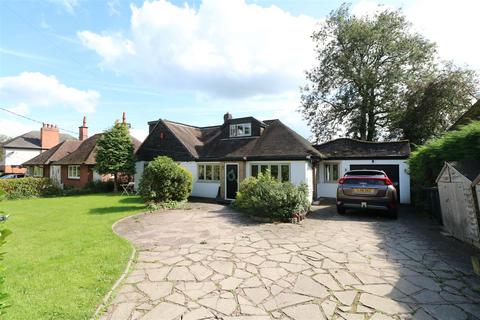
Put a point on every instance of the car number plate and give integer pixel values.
(364, 190)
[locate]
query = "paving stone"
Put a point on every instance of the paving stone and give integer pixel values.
(155, 290)
(165, 311)
(200, 272)
(251, 283)
(230, 283)
(198, 314)
(295, 268)
(256, 295)
(284, 300)
(308, 286)
(328, 281)
(123, 311)
(273, 273)
(180, 274)
(223, 267)
(346, 297)
(380, 316)
(158, 274)
(424, 282)
(177, 298)
(225, 306)
(380, 290)
(420, 314)
(445, 312)
(329, 308)
(383, 304)
(195, 290)
(304, 312)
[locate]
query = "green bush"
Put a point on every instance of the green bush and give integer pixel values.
(268, 198)
(91, 187)
(427, 161)
(164, 180)
(29, 187)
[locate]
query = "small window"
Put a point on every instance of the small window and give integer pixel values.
(240, 130)
(331, 172)
(74, 172)
(285, 172)
(254, 171)
(38, 171)
(209, 172)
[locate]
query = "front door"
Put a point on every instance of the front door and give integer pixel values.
(231, 181)
(55, 175)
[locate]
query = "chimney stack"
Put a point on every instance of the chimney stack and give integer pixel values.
(227, 116)
(83, 130)
(49, 136)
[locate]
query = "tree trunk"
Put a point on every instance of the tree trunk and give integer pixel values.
(115, 183)
(363, 122)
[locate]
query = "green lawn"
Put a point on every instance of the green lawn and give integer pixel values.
(63, 257)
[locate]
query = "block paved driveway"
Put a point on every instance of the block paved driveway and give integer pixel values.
(209, 262)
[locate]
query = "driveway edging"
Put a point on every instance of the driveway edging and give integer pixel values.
(117, 283)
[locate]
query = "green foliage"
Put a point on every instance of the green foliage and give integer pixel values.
(28, 187)
(91, 187)
(434, 105)
(266, 197)
(164, 180)
(426, 162)
(115, 152)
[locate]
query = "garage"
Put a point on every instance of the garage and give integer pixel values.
(392, 171)
(344, 154)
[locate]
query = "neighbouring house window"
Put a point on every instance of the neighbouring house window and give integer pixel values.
(209, 172)
(331, 172)
(37, 171)
(240, 130)
(278, 171)
(74, 172)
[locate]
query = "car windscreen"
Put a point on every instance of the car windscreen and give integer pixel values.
(365, 181)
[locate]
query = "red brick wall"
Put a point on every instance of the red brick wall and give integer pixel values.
(10, 169)
(49, 136)
(86, 176)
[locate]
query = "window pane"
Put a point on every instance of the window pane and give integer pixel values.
(209, 172)
(247, 129)
(216, 172)
(201, 172)
(285, 172)
(335, 172)
(264, 168)
(240, 129)
(274, 171)
(254, 170)
(327, 172)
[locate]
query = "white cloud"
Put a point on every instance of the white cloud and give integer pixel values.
(34, 89)
(223, 48)
(21, 109)
(12, 128)
(67, 5)
(140, 134)
(113, 7)
(451, 24)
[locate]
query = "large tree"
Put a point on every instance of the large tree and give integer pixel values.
(115, 153)
(431, 106)
(364, 66)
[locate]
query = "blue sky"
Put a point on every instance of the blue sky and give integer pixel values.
(188, 61)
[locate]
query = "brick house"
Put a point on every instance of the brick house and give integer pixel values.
(19, 149)
(72, 163)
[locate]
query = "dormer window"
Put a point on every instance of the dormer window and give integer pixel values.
(240, 130)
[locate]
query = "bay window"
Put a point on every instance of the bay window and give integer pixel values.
(277, 170)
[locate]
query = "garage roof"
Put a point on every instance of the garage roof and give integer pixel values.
(346, 148)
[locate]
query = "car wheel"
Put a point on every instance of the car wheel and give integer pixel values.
(340, 210)
(393, 213)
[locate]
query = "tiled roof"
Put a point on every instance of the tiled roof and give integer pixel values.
(346, 148)
(54, 154)
(85, 153)
(273, 140)
(31, 140)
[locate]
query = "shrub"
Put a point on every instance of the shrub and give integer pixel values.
(426, 162)
(28, 188)
(164, 180)
(266, 197)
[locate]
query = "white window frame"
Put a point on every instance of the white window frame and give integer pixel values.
(73, 169)
(39, 173)
(234, 132)
(204, 165)
(328, 178)
(269, 165)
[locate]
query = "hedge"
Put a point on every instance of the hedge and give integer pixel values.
(427, 161)
(28, 187)
(267, 198)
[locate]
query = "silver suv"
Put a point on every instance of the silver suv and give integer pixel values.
(366, 189)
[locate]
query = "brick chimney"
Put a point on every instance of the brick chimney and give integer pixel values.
(49, 136)
(83, 130)
(227, 116)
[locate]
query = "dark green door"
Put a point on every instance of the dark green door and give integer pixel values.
(231, 180)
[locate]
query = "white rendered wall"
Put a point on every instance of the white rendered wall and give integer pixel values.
(15, 157)
(329, 190)
(138, 173)
(300, 171)
(204, 189)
